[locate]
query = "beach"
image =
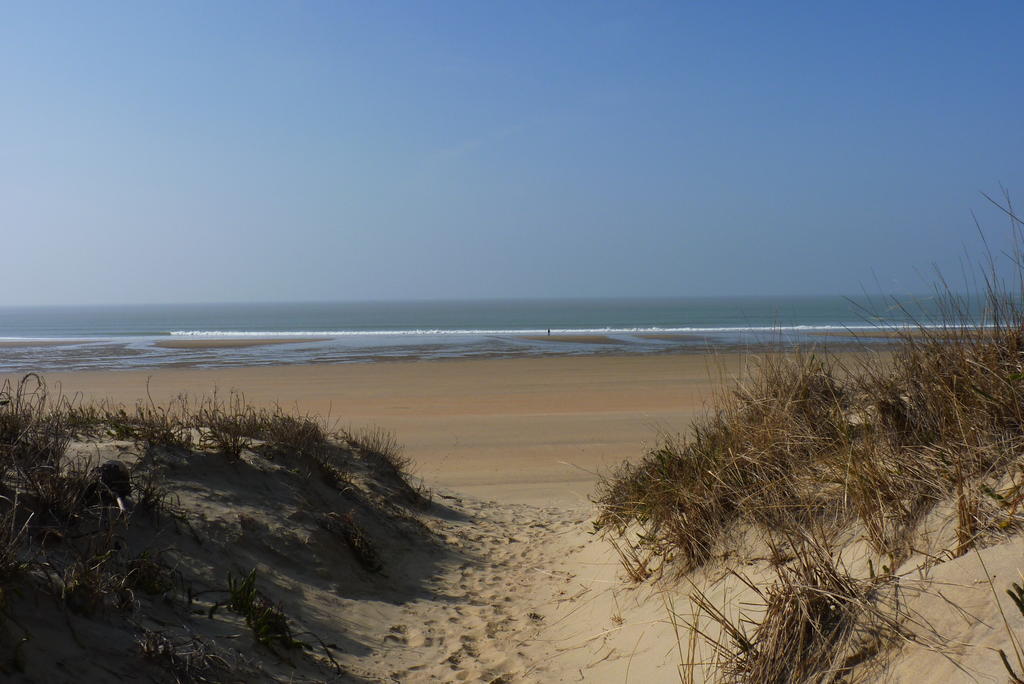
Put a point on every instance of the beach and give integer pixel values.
(509, 584)
(500, 577)
(503, 343)
(517, 430)
(510, 451)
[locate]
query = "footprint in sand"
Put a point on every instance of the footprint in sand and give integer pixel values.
(396, 635)
(473, 628)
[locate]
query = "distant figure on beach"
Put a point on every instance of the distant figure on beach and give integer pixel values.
(549, 332)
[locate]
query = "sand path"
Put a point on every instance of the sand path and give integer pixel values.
(485, 611)
(530, 597)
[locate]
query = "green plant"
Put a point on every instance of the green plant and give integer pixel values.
(266, 620)
(1016, 594)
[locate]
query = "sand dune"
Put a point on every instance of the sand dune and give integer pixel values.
(510, 584)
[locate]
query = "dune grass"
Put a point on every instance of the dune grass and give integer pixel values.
(808, 447)
(65, 534)
(805, 444)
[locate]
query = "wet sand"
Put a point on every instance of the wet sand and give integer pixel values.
(578, 339)
(669, 337)
(233, 343)
(17, 344)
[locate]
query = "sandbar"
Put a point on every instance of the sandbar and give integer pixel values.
(218, 343)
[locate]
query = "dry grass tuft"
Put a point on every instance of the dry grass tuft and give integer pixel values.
(819, 624)
(82, 532)
(381, 446)
(382, 449)
(805, 440)
(346, 528)
(808, 448)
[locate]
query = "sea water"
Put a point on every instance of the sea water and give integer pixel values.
(122, 337)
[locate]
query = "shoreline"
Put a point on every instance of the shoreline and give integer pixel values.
(149, 355)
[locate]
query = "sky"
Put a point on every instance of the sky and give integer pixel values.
(317, 151)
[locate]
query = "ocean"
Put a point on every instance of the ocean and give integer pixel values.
(130, 337)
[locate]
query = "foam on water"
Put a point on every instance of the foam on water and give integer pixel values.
(535, 331)
(125, 336)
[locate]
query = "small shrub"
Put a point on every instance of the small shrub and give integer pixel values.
(151, 494)
(56, 496)
(152, 425)
(300, 436)
(226, 427)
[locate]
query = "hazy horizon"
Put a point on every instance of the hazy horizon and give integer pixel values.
(324, 151)
(782, 297)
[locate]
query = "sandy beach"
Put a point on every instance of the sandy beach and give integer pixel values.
(519, 430)
(373, 343)
(520, 591)
(510, 584)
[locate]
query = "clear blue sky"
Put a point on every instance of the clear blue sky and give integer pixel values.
(268, 151)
